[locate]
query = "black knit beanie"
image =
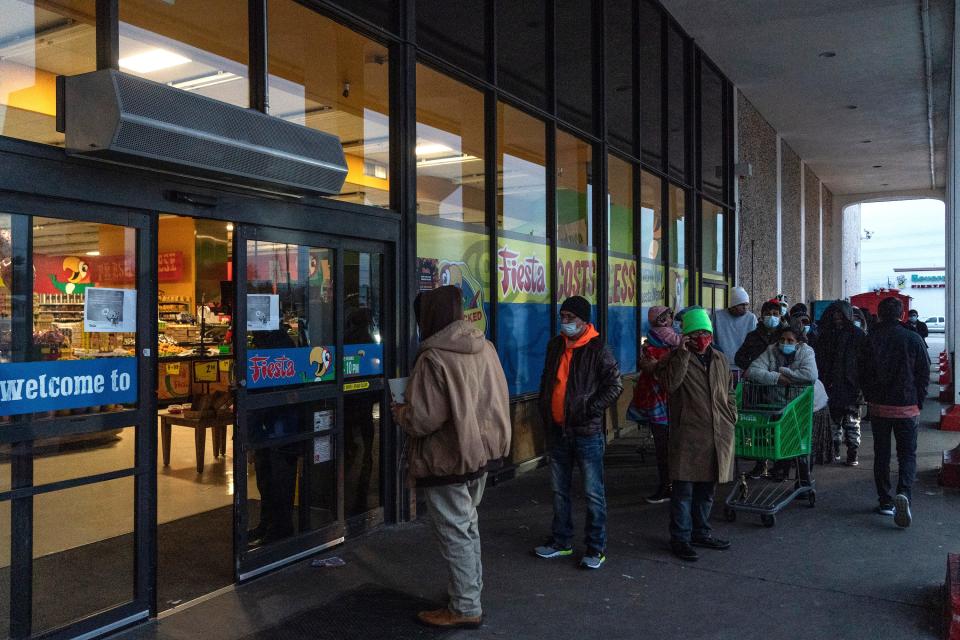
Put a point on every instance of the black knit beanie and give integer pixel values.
(578, 306)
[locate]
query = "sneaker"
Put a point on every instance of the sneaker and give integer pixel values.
(901, 514)
(711, 543)
(592, 560)
(885, 509)
(662, 495)
(836, 452)
(684, 551)
(552, 550)
(759, 470)
(852, 458)
(446, 619)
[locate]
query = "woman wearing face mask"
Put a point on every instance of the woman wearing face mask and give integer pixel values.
(650, 398)
(762, 337)
(791, 361)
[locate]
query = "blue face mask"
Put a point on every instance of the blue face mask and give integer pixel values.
(772, 322)
(806, 329)
(857, 324)
(569, 329)
(788, 349)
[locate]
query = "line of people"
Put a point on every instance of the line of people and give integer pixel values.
(457, 419)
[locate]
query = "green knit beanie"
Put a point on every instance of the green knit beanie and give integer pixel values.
(696, 320)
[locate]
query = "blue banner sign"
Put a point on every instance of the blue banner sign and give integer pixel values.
(362, 359)
(289, 365)
(50, 385)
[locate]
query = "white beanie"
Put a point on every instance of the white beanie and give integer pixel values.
(738, 296)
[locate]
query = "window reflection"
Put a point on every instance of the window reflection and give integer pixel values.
(362, 341)
(521, 172)
(327, 77)
(651, 206)
(651, 82)
(712, 165)
(713, 237)
(574, 190)
(361, 483)
(521, 55)
(38, 42)
(677, 102)
(574, 32)
(678, 232)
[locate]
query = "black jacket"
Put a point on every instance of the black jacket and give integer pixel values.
(754, 345)
(593, 385)
(838, 353)
(919, 328)
(895, 366)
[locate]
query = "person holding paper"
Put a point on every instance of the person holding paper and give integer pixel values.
(457, 420)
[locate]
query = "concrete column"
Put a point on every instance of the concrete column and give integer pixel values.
(951, 202)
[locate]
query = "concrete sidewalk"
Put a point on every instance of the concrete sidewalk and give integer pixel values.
(835, 571)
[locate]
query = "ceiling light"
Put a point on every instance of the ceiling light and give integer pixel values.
(93, 253)
(851, 106)
(884, 184)
(866, 141)
(229, 226)
(429, 148)
(828, 54)
(213, 79)
(152, 60)
(878, 166)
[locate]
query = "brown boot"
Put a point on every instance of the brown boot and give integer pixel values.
(446, 619)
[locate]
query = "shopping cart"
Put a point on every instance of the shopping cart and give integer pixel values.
(774, 423)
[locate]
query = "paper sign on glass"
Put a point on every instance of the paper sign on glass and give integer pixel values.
(321, 450)
(398, 389)
(110, 310)
(263, 312)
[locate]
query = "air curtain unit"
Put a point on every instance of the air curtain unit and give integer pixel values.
(119, 118)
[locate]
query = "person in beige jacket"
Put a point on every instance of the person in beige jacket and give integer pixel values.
(457, 421)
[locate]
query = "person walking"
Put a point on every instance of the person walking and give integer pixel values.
(837, 352)
(457, 421)
(895, 391)
(703, 414)
(914, 324)
(732, 325)
(580, 380)
(649, 402)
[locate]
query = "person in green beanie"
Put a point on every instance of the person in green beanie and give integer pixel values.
(702, 419)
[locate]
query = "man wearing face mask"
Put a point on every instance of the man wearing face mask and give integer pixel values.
(913, 324)
(762, 337)
(837, 351)
(702, 419)
(733, 324)
(580, 380)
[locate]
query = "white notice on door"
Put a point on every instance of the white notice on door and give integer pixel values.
(322, 420)
(263, 312)
(321, 449)
(110, 310)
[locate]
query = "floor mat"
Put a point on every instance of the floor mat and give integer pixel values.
(369, 612)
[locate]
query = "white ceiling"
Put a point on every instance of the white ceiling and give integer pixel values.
(770, 50)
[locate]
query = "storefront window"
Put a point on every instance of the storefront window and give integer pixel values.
(712, 165)
(621, 265)
(523, 273)
(362, 341)
(6, 289)
(200, 46)
(576, 258)
(652, 275)
(677, 102)
(521, 54)
(619, 64)
(327, 77)
(362, 486)
(38, 42)
(574, 33)
(440, 31)
(713, 232)
(290, 315)
(449, 149)
(651, 83)
(678, 232)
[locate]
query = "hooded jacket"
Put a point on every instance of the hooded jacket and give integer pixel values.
(458, 407)
(838, 350)
(899, 366)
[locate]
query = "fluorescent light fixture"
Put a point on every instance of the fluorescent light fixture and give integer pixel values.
(436, 162)
(93, 253)
(152, 60)
(211, 80)
(429, 148)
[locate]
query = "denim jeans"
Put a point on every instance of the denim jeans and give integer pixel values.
(690, 505)
(904, 431)
(587, 453)
(453, 513)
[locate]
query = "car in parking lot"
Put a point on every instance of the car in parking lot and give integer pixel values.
(935, 324)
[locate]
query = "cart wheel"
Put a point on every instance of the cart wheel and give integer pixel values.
(812, 499)
(729, 514)
(768, 520)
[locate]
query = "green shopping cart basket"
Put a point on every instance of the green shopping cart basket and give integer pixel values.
(774, 422)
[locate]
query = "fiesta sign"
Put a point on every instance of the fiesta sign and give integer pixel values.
(577, 277)
(521, 274)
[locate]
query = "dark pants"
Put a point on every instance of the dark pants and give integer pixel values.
(904, 431)
(587, 453)
(690, 505)
(276, 470)
(661, 447)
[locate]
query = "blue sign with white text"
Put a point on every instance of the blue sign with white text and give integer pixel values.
(289, 365)
(362, 360)
(49, 385)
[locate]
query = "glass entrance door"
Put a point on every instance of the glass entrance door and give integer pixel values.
(309, 338)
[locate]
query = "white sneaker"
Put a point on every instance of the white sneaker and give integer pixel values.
(902, 515)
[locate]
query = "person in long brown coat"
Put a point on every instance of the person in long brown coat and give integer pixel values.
(702, 419)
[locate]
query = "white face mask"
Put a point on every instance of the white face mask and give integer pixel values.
(569, 329)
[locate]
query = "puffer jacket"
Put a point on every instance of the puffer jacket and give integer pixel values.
(593, 385)
(896, 366)
(802, 371)
(458, 408)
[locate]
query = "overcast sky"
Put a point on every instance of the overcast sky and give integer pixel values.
(906, 234)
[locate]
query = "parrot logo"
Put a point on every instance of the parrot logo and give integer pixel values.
(78, 280)
(322, 359)
(458, 275)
